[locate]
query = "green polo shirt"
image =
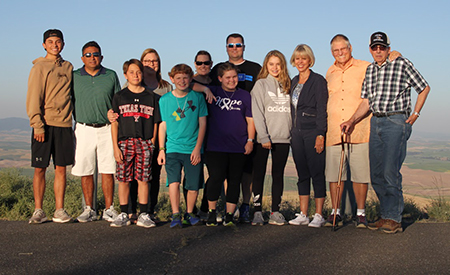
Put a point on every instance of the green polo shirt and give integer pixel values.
(92, 95)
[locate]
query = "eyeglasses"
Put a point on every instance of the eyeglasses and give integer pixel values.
(199, 63)
(345, 49)
(380, 47)
(232, 45)
(96, 54)
(150, 61)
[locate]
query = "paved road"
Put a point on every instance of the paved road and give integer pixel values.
(96, 248)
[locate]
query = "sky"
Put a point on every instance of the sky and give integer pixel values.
(177, 29)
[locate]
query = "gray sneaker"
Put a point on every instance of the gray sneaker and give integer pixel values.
(258, 218)
(202, 215)
(38, 217)
(144, 220)
(121, 220)
(61, 216)
(277, 218)
(110, 214)
(88, 215)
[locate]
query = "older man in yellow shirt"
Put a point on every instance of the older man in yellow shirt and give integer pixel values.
(345, 78)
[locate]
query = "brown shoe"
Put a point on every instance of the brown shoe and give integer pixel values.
(391, 227)
(376, 225)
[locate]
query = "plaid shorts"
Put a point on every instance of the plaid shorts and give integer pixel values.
(137, 160)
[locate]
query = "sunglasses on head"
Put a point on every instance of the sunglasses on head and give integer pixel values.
(232, 45)
(96, 54)
(199, 63)
(381, 47)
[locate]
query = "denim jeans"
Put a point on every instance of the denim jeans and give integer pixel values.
(387, 151)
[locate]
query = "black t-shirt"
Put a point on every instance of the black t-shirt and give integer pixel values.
(248, 72)
(137, 113)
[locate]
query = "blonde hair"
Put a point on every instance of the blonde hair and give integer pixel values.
(283, 77)
(161, 82)
(303, 50)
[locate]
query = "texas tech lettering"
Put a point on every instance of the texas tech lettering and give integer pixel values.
(136, 111)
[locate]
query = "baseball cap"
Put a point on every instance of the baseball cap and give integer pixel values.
(53, 33)
(379, 38)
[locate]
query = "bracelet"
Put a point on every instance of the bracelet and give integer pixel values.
(250, 139)
(162, 148)
(417, 114)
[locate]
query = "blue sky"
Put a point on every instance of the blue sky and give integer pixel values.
(178, 29)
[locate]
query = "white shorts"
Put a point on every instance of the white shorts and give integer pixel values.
(356, 159)
(91, 144)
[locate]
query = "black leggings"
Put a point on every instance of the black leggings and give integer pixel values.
(280, 152)
(223, 166)
(309, 164)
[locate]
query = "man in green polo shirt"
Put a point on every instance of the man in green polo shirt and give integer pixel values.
(93, 89)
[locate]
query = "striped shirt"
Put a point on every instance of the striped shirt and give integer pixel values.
(388, 87)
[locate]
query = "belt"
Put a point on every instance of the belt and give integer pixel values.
(389, 114)
(95, 125)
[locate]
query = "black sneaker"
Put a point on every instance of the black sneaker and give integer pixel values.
(212, 218)
(228, 220)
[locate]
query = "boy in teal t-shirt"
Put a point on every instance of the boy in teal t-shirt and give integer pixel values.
(181, 133)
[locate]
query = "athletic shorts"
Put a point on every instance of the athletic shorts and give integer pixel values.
(175, 163)
(137, 159)
(93, 145)
(356, 159)
(58, 144)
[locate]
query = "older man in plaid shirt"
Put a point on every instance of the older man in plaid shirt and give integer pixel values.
(386, 92)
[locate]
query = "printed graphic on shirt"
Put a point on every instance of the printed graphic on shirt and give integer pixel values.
(180, 113)
(228, 103)
(136, 110)
(279, 98)
(245, 77)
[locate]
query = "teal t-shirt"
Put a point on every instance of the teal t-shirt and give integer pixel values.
(181, 116)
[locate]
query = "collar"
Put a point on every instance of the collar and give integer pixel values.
(101, 71)
(385, 63)
(337, 68)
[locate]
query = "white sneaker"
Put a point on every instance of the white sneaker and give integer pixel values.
(121, 220)
(317, 222)
(110, 214)
(300, 220)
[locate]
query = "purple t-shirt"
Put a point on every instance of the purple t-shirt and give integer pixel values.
(227, 126)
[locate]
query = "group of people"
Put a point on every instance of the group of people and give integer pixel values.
(229, 117)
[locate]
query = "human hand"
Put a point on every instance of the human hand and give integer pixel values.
(112, 116)
(267, 145)
(319, 144)
(195, 157)
(161, 157)
(248, 147)
(39, 137)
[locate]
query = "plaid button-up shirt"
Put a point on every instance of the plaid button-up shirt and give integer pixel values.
(388, 87)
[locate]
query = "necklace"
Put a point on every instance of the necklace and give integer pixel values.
(225, 93)
(179, 110)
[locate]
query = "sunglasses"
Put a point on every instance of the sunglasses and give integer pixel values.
(232, 45)
(199, 63)
(96, 54)
(381, 47)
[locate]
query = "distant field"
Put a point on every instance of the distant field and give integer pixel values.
(426, 171)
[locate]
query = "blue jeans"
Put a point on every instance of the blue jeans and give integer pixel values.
(387, 151)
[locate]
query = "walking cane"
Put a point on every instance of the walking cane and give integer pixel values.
(338, 186)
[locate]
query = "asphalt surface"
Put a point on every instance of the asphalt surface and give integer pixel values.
(97, 248)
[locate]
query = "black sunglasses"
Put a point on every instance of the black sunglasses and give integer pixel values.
(238, 45)
(381, 47)
(199, 63)
(96, 54)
